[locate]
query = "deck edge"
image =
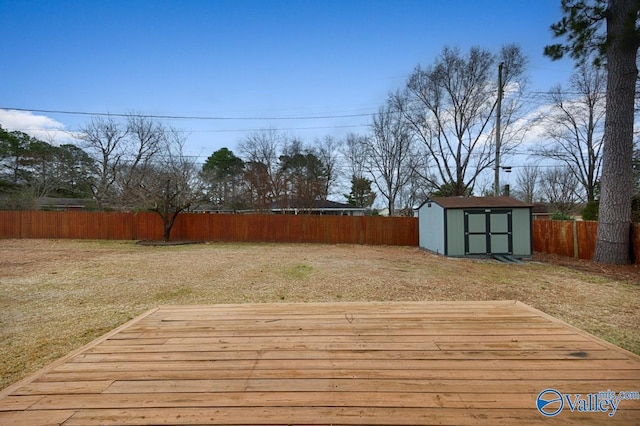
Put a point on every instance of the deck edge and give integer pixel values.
(579, 331)
(31, 377)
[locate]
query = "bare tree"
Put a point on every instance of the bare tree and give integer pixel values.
(141, 165)
(527, 181)
(260, 153)
(145, 139)
(450, 108)
(104, 139)
(327, 152)
(576, 126)
(558, 186)
(390, 150)
(168, 185)
(353, 153)
(416, 190)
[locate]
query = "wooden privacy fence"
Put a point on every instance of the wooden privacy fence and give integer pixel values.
(565, 238)
(574, 238)
(401, 231)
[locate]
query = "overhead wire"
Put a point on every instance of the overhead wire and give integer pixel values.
(186, 117)
(218, 130)
(533, 99)
(534, 95)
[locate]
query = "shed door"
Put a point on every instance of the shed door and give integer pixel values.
(487, 232)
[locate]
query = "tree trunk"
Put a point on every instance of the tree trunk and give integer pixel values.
(612, 241)
(166, 229)
(168, 219)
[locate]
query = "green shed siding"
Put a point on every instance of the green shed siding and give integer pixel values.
(455, 232)
(522, 232)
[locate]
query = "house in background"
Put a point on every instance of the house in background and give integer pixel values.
(476, 226)
(540, 211)
(65, 204)
(317, 207)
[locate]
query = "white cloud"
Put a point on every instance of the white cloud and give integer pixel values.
(536, 130)
(39, 126)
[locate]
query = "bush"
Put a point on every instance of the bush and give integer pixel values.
(590, 211)
(560, 216)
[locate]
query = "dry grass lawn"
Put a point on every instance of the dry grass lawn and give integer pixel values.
(58, 295)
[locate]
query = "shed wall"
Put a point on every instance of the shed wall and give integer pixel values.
(521, 238)
(431, 228)
(455, 232)
(521, 221)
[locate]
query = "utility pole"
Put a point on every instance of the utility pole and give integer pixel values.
(498, 113)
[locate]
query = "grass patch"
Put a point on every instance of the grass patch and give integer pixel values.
(296, 272)
(174, 294)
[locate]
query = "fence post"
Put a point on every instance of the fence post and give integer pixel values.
(576, 248)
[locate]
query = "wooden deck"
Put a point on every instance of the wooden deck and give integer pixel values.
(340, 363)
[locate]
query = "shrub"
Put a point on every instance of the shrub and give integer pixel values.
(590, 211)
(560, 216)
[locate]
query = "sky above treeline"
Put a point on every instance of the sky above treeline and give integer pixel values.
(222, 69)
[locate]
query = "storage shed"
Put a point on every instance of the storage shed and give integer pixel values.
(476, 226)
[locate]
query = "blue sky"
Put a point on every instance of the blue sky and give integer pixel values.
(245, 59)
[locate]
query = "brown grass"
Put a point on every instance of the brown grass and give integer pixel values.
(57, 295)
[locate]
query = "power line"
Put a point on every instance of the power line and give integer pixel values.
(536, 95)
(186, 117)
(216, 130)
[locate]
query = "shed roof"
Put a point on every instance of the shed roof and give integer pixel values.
(478, 202)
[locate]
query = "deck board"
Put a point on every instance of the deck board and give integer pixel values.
(335, 363)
